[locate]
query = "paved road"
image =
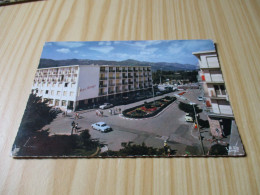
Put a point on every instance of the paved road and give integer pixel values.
(169, 125)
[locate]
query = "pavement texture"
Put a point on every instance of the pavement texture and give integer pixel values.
(169, 125)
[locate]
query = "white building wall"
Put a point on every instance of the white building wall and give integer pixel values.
(88, 86)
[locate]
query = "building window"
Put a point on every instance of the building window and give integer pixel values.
(64, 93)
(47, 91)
(36, 90)
(53, 85)
(63, 103)
(72, 85)
(58, 92)
(71, 93)
(66, 84)
(223, 89)
(41, 91)
(52, 92)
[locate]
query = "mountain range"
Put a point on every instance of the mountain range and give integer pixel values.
(166, 66)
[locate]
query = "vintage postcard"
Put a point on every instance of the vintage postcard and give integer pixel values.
(162, 98)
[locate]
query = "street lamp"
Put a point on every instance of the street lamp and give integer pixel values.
(153, 94)
(191, 103)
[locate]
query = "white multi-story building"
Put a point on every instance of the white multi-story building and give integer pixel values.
(217, 103)
(71, 87)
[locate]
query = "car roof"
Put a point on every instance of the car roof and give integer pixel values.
(101, 123)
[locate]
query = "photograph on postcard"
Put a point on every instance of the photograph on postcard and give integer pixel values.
(161, 98)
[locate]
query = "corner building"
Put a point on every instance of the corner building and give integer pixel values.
(78, 86)
(217, 103)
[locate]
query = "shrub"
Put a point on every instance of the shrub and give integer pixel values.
(203, 123)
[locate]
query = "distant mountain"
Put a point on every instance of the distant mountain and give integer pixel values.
(166, 66)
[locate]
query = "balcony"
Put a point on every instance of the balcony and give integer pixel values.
(102, 85)
(124, 83)
(129, 76)
(102, 93)
(130, 70)
(125, 89)
(215, 81)
(103, 78)
(118, 83)
(111, 84)
(112, 70)
(118, 91)
(124, 70)
(130, 83)
(124, 76)
(111, 77)
(118, 77)
(111, 92)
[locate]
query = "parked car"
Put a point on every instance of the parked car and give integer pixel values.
(101, 126)
(200, 98)
(105, 106)
(188, 118)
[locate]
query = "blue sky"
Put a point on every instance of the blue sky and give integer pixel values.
(179, 51)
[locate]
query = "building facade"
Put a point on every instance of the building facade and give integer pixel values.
(216, 99)
(75, 86)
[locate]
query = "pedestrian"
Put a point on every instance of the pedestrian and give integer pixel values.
(119, 109)
(116, 110)
(72, 127)
(96, 112)
(165, 146)
(76, 128)
(101, 113)
(110, 111)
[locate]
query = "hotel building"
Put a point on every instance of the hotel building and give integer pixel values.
(217, 103)
(76, 86)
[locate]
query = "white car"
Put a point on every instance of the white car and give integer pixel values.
(101, 126)
(200, 98)
(188, 118)
(106, 105)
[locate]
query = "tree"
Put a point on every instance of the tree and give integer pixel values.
(37, 114)
(189, 108)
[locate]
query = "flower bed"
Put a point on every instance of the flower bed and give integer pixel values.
(148, 109)
(181, 93)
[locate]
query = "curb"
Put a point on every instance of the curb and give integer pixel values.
(123, 117)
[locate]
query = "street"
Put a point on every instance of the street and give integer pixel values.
(168, 125)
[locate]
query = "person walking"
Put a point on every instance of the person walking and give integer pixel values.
(76, 128)
(72, 127)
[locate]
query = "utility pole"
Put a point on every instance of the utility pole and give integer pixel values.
(198, 127)
(161, 76)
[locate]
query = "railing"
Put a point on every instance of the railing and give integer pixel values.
(111, 77)
(110, 92)
(103, 85)
(118, 77)
(102, 93)
(103, 78)
(111, 84)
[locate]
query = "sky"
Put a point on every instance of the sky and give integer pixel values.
(175, 51)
